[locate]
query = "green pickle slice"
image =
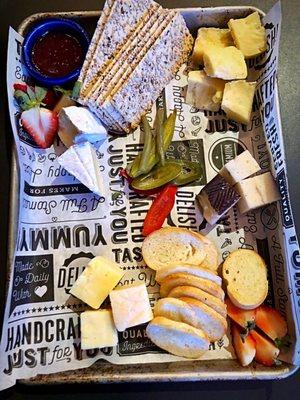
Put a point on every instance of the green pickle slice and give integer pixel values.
(159, 176)
(190, 171)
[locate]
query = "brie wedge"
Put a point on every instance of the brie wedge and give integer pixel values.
(80, 160)
(79, 124)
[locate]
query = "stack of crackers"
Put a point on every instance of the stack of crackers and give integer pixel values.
(136, 50)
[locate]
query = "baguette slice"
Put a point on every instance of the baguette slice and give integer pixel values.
(168, 246)
(188, 269)
(198, 294)
(245, 274)
(211, 259)
(181, 279)
(176, 310)
(211, 322)
(177, 338)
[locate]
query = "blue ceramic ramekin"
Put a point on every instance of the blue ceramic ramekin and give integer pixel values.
(50, 25)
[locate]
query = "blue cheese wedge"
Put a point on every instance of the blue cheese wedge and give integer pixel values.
(79, 124)
(239, 168)
(130, 306)
(97, 281)
(97, 329)
(257, 192)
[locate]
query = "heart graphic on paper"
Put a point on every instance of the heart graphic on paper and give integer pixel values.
(40, 290)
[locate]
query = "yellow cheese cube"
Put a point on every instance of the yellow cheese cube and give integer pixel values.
(96, 281)
(204, 92)
(209, 37)
(226, 63)
(237, 100)
(249, 35)
(130, 306)
(97, 329)
(257, 192)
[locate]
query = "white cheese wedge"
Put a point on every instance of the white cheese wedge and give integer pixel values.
(257, 192)
(238, 99)
(226, 63)
(130, 306)
(79, 124)
(203, 92)
(239, 168)
(209, 37)
(97, 329)
(249, 35)
(81, 161)
(96, 281)
(87, 154)
(71, 162)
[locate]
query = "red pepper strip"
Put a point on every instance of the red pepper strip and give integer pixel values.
(160, 209)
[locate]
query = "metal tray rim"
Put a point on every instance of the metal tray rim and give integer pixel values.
(283, 372)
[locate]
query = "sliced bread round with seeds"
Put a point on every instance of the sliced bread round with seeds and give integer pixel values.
(182, 279)
(245, 274)
(198, 294)
(174, 245)
(176, 310)
(177, 338)
(193, 270)
(211, 322)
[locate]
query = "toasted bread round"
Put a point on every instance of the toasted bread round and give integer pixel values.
(174, 245)
(182, 279)
(176, 310)
(211, 322)
(211, 259)
(245, 274)
(194, 270)
(177, 338)
(198, 294)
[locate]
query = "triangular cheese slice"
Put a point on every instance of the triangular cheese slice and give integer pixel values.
(71, 162)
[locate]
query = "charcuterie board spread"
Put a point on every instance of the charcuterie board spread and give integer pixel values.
(152, 218)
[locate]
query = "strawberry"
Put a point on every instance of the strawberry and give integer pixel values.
(271, 323)
(41, 124)
(50, 99)
(266, 351)
(244, 318)
(20, 86)
(244, 346)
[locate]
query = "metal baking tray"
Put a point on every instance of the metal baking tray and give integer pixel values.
(102, 371)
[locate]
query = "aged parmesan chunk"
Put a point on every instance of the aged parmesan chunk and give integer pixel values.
(237, 100)
(249, 35)
(226, 63)
(207, 38)
(204, 92)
